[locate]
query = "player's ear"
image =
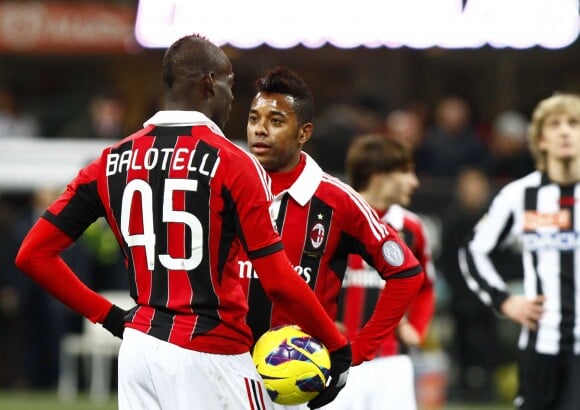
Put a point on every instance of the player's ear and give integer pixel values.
(305, 132)
(208, 84)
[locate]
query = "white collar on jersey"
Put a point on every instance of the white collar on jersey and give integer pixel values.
(182, 118)
(303, 189)
(394, 216)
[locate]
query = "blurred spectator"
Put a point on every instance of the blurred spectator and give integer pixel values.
(32, 321)
(510, 158)
(405, 126)
(452, 143)
(11, 319)
(336, 127)
(104, 119)
(13, 121)
(475, 342)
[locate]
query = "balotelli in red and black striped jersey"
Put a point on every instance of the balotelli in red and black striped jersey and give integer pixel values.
(321, 219)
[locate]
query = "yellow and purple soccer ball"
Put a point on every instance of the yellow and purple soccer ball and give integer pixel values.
(294, 365)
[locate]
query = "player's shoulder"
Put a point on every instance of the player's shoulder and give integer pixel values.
(398, 215)
(243, 166)
(349, 205)
(340, 195)
(128, 139)
(332, 185)
(240, 157)
(516, 188)
(233, 153)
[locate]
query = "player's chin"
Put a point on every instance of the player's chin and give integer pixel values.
(264, 159)
(405, 200)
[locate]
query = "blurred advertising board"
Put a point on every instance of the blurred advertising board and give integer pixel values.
(52, 28)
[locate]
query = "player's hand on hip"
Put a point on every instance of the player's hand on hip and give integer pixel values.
(523, 310)
(357, 354)
(340, 361)
(408, 334)
(115, 321)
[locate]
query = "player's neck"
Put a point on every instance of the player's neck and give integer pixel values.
(377, 203)
(564, 172)
(284, 180)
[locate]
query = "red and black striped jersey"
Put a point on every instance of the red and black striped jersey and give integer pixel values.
(362, 289)
(181, 200)
(322, 220)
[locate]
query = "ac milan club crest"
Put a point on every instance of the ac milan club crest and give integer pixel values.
(317, 235)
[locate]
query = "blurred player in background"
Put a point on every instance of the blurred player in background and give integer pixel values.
(381, 170)
(181, 200)
(321, 220)
(540, 212)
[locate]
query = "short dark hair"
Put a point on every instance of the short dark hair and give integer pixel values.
(187, 60)
(375, 153)
(282, 80)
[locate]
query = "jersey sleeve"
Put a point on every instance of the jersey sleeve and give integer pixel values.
(79, 206)
(62, 223)
(378, 243)
(293, 295)
(381, 247)
(476, 265)
(250, 188)
(392, 304)
(422, 308)
(39, 257)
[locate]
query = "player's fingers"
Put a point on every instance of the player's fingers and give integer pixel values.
(538, 300)
(536, 310)
(534, 315)
(531, 324)
(327, 395)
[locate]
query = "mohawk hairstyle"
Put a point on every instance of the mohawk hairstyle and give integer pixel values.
(282, 80)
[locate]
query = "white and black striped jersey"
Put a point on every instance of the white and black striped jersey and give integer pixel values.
(543, 218)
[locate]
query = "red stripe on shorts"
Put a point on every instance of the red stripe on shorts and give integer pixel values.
(261, 395)
(249, 392)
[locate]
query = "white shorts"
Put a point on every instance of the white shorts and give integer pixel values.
(382, 383)
(156, 375)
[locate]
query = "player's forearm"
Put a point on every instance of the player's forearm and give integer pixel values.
(39, 257)
(481, 276)
(390, 308)
(292, 294)
(422, 309)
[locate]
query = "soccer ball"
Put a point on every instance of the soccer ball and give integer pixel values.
(294, 365)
